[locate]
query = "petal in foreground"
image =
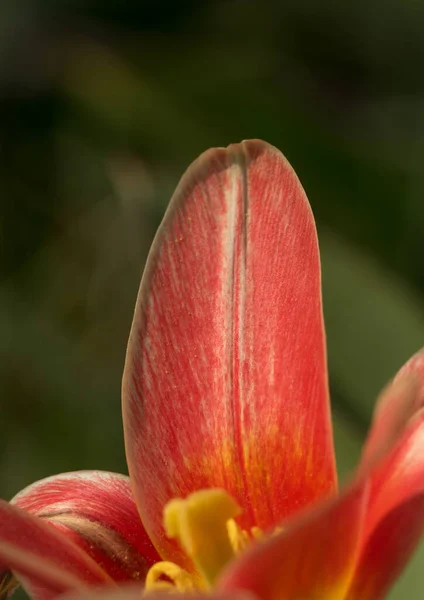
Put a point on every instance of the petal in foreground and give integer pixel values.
(225, 382)
(47, 562)
(395, 519)
(97, 511)
(131, 592)
(398, 403)
(314, 558)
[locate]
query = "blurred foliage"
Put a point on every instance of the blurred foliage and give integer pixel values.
(103, 104)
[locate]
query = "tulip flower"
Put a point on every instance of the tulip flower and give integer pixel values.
(232, 489)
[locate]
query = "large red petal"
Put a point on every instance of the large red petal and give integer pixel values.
(225, 381)
(314, 558)
(394, 458)
(44, 558)
(97, 510)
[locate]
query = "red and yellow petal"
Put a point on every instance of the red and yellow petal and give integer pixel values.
(46, 561)
(225, 382)
(97, 511)
(315, 557)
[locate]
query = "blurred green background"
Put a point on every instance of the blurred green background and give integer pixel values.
(103, 104)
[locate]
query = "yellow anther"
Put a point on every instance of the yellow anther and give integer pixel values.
(259, 535)
(239, 539)
(180, 580)
(199, 522)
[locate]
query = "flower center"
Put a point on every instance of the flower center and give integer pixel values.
(204, 525)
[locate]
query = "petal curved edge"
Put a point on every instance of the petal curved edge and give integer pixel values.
(43, 558)
(398, 475)
(315, 557)
(398, 403)
(97, 511)
(395, 519)
(225, 380)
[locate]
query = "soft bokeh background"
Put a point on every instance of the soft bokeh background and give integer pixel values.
(103, 104)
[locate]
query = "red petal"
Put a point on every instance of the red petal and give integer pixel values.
(131, 592)
(96, 510)
(225, 382)
(395, 450)
(314, 558)
(398, 403)
(395, 520)
(46, 560)
(127, 592)
(387, 551)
